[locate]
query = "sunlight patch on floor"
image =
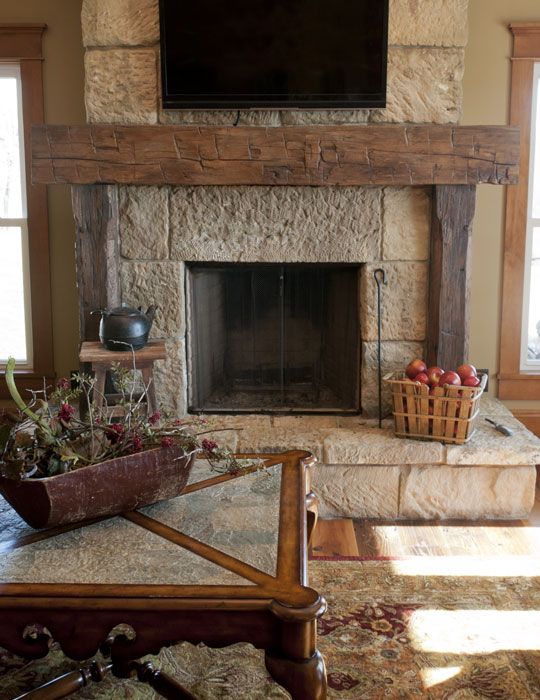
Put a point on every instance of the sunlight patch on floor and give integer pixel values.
(475, 631)
(445, 539)
(468, 566)
(434, 675)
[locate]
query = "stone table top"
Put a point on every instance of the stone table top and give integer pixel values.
(239, 517)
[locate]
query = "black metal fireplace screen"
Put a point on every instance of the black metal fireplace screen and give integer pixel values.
(273, 338)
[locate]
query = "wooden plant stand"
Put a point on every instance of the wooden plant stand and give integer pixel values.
(165, 572)
(101, 360)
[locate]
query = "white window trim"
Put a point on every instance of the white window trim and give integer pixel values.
(13, 70)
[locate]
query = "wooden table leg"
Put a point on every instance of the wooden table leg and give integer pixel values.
(69, 683)
(305, 679)
(162, 683)
(296, 663)
(99, 387)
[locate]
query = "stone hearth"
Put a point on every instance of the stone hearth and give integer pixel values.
(367, 472)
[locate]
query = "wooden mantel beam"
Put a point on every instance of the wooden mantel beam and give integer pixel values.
(366, 154)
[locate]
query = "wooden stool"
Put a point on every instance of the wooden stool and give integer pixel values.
(102, 360)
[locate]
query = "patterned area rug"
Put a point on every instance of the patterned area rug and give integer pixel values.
(389, 633)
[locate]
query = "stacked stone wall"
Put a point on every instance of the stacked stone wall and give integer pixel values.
(161, 227)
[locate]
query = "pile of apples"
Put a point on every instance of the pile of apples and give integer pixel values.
(418, 371)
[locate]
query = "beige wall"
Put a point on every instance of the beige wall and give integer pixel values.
(486, 101)
(64, 104)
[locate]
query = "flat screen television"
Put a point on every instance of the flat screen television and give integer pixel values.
(242, 54)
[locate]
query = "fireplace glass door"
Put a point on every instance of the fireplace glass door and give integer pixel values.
(273, 338)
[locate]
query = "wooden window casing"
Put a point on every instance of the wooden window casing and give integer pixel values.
(515, 383)
(22, 44)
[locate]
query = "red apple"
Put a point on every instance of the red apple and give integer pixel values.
(415, 367)
(471, 381)
(434, 374)
(451, 378)
(422, 378)
(465, 371)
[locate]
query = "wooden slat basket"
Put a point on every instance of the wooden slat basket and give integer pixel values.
(448, 415)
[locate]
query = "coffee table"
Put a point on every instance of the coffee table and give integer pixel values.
(225, 562)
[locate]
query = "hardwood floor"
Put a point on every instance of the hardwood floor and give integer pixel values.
(366, 538)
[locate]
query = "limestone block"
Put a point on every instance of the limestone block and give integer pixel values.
(121, 86)
(406, 223)
(299, 117)
(120, 22)
(372, 446)
(275, 224)
(302, 423)
(424, 86)
(467, 492)
(492, 408)
(360, 421)
(229, 428)
(220, 117)
(404, 301)
(160, 284)
(395, 357)
(171, 378)
(144, 223)
(357, 492)
(428, 22)
(488, 447)
(281, 441)
(246, 421)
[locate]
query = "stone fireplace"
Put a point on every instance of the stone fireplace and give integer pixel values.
(164, 229)
(159, 194)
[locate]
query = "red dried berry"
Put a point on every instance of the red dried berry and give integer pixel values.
(209, 445)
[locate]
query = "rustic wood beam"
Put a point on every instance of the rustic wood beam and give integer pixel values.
(303, 155)
(95, 208)
(449, 275)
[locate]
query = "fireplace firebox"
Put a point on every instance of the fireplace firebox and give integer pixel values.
(273, 338)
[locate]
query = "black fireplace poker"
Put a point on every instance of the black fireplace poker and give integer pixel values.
(380, 279)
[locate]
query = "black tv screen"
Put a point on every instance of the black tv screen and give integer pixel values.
(273, 53)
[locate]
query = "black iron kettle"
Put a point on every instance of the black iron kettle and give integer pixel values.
(125, 327)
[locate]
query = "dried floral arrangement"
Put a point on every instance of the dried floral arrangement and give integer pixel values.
(47, 437)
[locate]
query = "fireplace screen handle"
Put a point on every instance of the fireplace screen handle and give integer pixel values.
(380, 279)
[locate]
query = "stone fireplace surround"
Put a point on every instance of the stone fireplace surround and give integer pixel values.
(151, 231)
(163, 228)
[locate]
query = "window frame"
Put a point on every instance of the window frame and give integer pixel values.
(514, 382)
(13, 70)
(22, 44)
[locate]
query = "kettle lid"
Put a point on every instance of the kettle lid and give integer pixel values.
(124, 310)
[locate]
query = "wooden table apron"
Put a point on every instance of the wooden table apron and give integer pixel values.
(278, 613)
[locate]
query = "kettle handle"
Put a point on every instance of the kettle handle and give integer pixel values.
(103, 312)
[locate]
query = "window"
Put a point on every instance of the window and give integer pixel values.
(530, 335)
(15, 311)
(519, 376)
(25, 296)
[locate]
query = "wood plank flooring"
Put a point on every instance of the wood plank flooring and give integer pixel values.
(365, 538)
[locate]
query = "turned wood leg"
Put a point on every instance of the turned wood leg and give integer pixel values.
(99, 388)
(305, 679)
(295, 662)
(162, 683)
(69, 683)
